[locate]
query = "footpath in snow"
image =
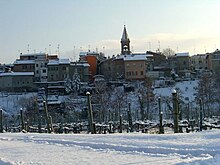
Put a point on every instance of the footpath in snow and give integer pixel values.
(123, 149)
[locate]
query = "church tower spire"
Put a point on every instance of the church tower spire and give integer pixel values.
(125, 42)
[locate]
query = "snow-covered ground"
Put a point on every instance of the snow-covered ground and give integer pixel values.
(124, 149)
(187, 89)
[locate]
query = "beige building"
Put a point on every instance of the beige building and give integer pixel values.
(136, 66)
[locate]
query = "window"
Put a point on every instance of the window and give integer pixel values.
(64, 68)
(37, 71)
(24, 66)
(36, 65)
(44, 70)
(142, 73)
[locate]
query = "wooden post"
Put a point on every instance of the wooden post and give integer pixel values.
(51, 124)
(47, 117)
(22, 119)
(200, 114)
(1, 121)
(90, 114)
(175, 111)
(180, 117)
(130, 117)
(120, 126)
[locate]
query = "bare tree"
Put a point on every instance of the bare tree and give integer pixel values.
(206, 92)
(168, 52)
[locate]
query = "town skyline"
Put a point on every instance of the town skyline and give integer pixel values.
(73, 26)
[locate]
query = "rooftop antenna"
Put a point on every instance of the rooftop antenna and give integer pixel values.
(103, 49)
(149, 44)
(205, 48)
(159, 46)
(88, 48)
(49, 48)
(58, 49)
(28, 48)
(74, 53)
(96, 49)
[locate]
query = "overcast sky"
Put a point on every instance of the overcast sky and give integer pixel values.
(182, 25)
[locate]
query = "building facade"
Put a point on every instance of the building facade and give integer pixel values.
(17, 81)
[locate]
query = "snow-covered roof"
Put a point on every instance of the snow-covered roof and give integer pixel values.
(81, 64)
(17, 74)
(24, 62)
(136, 57)
(60, 61)
(33, 54)
(82, 53)
(185, 54)
(64, 61)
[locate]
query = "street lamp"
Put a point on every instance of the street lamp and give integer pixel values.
(161, 129)
(22, 119)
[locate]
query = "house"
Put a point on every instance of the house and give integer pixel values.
(199, 64)
(182, 63)
(214, 61)
(58, 70)
(36, 63)
(137, 66)
(17, 81)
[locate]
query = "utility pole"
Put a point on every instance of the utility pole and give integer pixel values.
(175, 111)
(90, 113)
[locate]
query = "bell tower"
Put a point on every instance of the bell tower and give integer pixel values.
(125, 43)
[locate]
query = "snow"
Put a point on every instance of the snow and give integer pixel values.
(133, 148)
(188, 89)
(60, 61)
(136, 57)
(24, 62)
(17, 74)
(185, 54)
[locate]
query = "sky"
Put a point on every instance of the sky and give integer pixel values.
(69, 26)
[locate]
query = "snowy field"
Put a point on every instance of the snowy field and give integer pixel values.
(116, 149)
